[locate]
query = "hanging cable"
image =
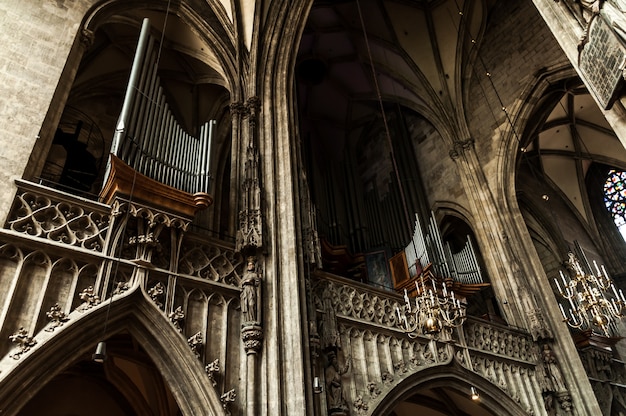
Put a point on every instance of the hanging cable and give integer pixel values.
(384, 116)
(100, 354)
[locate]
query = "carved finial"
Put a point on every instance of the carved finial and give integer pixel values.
(89, 298)
(373, 388)
(120, 288)
(213, 369)
(56, 317)
(195, 342)
(23, 341)
(361, 405)
(177, 318)
(157, 293)
(228, 398)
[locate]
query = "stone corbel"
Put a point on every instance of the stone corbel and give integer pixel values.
(460, 146)
(86, 38)
(237, 109)
(253, 107)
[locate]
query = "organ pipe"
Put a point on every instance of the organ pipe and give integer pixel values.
(149, 138)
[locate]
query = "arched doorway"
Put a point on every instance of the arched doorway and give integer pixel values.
(448, 390)
(127, 383)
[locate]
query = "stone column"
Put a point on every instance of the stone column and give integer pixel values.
(496, 244)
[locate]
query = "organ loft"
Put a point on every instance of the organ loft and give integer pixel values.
(313, 207)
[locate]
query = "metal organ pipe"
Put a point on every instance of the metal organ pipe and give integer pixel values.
(138, 106)
(120, 129)
(141, 118)
(147, 135)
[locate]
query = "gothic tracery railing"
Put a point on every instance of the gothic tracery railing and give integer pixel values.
(382, 356)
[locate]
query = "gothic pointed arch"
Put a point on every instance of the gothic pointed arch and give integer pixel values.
(454, 379)
(135, 314)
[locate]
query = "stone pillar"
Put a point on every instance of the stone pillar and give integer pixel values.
(497, 247)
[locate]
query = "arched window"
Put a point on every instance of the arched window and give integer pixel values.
(615, 198)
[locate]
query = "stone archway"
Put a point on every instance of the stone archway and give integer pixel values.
(453, 383)
(133, 313)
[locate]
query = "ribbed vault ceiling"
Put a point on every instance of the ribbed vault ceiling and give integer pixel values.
(418, 50)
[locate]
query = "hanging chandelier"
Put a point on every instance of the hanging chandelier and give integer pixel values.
(594, 300)
(432, 311)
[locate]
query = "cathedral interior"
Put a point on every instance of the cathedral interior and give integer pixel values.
(313, 207)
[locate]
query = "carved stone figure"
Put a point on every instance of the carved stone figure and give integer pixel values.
(329, 332)
(613, 10)
(249, 292)
(334, 387)
(553, 372)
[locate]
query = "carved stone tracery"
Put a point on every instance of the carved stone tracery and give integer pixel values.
(507, 358)
(211, 262)
(62, 221)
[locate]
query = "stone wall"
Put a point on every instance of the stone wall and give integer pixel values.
(512, 57)
(31, 64)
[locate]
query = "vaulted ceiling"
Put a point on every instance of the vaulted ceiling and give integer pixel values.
(419, 51)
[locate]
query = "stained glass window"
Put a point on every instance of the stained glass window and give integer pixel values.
(615, 198)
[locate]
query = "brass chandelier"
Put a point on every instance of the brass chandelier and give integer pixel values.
(432, 312)
(594, 300)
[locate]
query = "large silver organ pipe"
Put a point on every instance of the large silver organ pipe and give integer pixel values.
(416, 250)
(149, 138)
(463, 264)
(429, 248)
